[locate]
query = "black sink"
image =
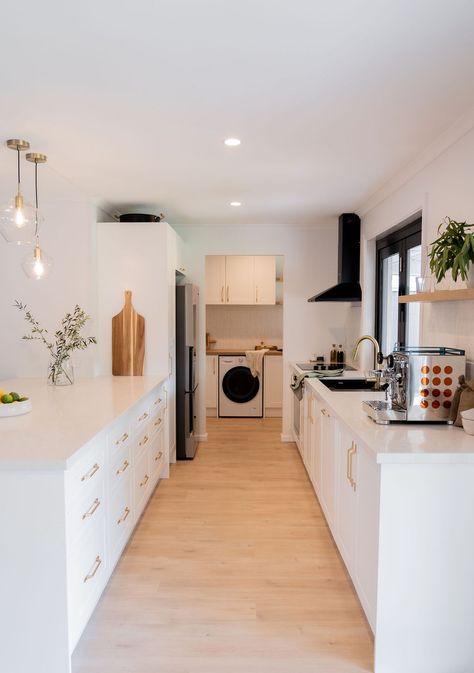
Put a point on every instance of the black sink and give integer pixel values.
(348, 384)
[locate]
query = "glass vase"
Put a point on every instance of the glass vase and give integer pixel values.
(60, 373)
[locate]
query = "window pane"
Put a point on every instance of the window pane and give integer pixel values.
(390, 283)
(413, 310)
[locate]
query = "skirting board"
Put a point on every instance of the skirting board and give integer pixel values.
(287, 438)
(201, 438)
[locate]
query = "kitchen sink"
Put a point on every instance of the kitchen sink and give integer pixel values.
(348, 384)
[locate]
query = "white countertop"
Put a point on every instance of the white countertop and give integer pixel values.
(64, 418)
(396, 443)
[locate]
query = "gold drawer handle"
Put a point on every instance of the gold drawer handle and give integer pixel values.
(145, 479)
(122, 439)
(157, 422)
(222, 294)
(158, 456)
(350, 452)
(143, 416)
(123, 467)
(91, 472)
(324, 412)
(158, 401)
(95, 505)
(144, 441)
(95, 568)
(126, 512)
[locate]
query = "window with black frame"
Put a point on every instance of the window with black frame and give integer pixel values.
(399, 262)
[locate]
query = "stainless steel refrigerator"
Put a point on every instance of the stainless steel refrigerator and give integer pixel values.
(186, 370)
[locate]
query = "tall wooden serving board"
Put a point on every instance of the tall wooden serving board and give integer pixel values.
(128, 340)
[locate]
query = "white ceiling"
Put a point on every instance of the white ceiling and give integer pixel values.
(132, 100)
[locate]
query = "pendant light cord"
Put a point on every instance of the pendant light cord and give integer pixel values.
(36, 199)
(18, 168)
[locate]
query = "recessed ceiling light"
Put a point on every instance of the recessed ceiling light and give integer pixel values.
(232, 142)
(236, 204)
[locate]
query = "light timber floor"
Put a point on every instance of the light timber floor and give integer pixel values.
(231, 570)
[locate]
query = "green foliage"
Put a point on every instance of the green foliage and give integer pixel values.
(453, 249)
(67, 339)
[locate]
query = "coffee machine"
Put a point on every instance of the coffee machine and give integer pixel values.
(419, 385)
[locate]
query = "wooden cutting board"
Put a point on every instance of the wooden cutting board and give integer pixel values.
(128, 340)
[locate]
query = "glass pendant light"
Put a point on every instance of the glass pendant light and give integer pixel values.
(38, 264)
(18, 218)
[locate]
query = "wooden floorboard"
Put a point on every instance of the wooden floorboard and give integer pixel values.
(231, 569)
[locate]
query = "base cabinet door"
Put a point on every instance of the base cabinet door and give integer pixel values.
(346, 496)
(367, 531)
(273, 385)
(328, 466)
(211, 385)
(315, 443)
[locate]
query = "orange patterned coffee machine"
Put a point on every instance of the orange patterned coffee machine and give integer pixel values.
(420, 385)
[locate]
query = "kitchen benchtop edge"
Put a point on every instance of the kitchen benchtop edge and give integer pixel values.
(395, 443)
(65, 419)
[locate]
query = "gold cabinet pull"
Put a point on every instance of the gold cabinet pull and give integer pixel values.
(157, 422)
(123, 467)
(95, 568)
(256, 294)
(227, 294)
(158, 401)
(348, 466)
(158, 455)
(122, 518)
(143, 441)
(143, 416)
(145, 479)
(222, 294)
(350, 453)
(95, 505)
(91, 472)
(122, 439)
(325, 412)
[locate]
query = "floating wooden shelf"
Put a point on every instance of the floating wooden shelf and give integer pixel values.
(438, 295)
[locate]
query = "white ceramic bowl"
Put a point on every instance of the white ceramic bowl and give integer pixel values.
(468, 421)
(15, 409)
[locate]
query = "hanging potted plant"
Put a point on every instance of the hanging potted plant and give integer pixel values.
(453, 251)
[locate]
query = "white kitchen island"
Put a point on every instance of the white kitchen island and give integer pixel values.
(75, 476)
(399, 501)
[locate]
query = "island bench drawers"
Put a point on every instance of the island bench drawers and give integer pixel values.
(85, 475)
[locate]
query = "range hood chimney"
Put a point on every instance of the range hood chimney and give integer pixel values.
(348, 263)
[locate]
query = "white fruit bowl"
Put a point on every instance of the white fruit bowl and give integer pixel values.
(468, 421)
(15, 409)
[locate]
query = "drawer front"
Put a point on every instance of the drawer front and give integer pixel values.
(120, 521)
(140, 418)
(157, 456)
(86, 474)
(157, 421)
(142, 482)
(85, 512)
(119, 436)
(142, 441)
(120, 467)
(87, 573)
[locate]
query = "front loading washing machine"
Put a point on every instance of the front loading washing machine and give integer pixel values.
(240, 393)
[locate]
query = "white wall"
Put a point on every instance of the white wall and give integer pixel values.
(443, 187)
(310, 266)
(245, 326)
(67, 236)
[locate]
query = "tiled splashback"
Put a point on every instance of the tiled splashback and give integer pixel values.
(245, 326)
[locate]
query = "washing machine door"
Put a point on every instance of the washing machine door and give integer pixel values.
(239, 385)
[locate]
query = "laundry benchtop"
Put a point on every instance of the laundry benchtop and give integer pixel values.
(230, 351)
(65, 418)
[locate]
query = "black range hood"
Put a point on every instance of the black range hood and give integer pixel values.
(348, 263)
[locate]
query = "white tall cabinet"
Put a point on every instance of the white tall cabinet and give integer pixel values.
(142, 257)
